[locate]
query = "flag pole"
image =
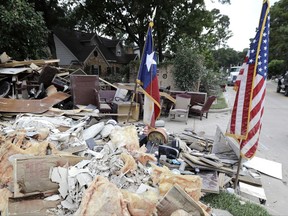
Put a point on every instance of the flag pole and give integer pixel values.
(238, 171)
(136, 83)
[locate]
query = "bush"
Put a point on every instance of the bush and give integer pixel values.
(188, 68)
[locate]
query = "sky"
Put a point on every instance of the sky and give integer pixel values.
(244, 18)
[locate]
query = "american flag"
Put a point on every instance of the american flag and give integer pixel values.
(246, 123)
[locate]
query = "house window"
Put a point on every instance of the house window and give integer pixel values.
(95, 53)
(118, 52)
(94, 70)
(109, 70)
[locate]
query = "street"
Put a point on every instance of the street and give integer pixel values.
(273, 140)
(273, 146)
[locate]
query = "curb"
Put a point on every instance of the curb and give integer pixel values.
(220, 110)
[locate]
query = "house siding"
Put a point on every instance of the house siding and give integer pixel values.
(63, 53)
(99, 61)
(166, 77)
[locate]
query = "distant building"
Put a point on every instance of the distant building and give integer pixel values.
(100, 55)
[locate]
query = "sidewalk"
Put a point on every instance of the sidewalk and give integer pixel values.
(206, 127)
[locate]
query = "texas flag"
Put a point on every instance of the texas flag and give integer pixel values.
(147, 78)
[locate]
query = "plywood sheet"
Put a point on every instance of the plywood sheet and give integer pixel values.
(265, 166)
(176, 199)
(31, 175)
(31, 106)
(252, 190)
(33, 207)
(209, 181)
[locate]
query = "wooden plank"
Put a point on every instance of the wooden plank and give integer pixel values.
(169, 97)
(175, 199)
(223, 179)
(33, 207)
(107, 83)
(31, 174)
(209, 181)
(31, 106)
(23, 63)
(252, 190)
(249, 180)
(211, 162)
(199, 164)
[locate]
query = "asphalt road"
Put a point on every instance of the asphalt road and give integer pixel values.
(274, 146)
(273, 141)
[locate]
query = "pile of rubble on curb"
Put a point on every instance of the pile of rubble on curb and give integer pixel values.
(66, 160)
(61, 166)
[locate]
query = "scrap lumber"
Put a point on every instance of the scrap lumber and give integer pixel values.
(210, 182)
(31, 106)
(31, 174)
(196, 162)
(249, 180)
(211, 162)
(34, 207)
(252, 190)
(23, 63)
(177, 198)
(223, 179)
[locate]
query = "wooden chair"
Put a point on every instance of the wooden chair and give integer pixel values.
(201, 109)
(180, 110)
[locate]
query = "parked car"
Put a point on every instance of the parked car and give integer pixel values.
(283, 83)
(233, 73)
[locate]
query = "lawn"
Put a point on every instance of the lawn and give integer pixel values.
(221, 103)
(234, 205)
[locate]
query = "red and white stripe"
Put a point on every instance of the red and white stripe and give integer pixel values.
(248, 146)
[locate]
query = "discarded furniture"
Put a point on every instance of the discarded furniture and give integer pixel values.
(180, 110)
(201, 109)
(4, 88)
(107, 96)
(196, 97)
(123, 111)
(85, 91)
(102, 105)
(35, 84)
(11, 75)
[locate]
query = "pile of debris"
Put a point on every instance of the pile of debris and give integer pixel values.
(60, 161)
(61, 166)
(66, 166)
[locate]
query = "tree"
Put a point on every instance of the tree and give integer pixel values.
(227, 57)
(174, 20)
(54, 14)
(188, 67)
(276, 67)
(23, 31)
(279, 32)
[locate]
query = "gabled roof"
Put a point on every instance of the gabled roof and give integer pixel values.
(73, 40)
(79, 43)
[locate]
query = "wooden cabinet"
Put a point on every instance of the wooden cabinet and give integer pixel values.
(123, 110)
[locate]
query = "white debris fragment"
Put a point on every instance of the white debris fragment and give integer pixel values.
(54, 197)
(106, 131)
(42, 122)
(84, 179)
(93, 130)
(59, 175)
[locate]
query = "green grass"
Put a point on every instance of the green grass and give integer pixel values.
(231, 203)
(221, 103)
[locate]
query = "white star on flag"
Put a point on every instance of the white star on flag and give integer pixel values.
(150, 60)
